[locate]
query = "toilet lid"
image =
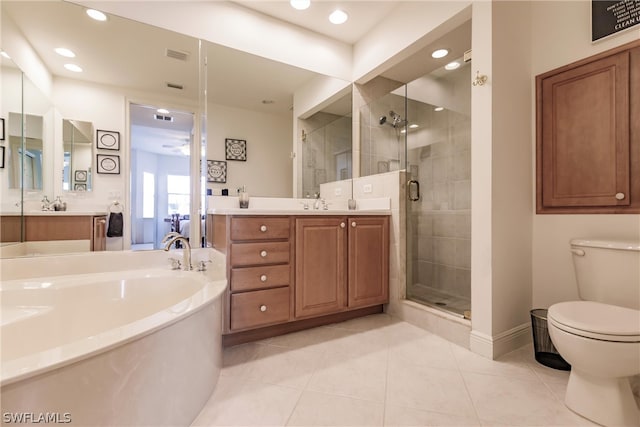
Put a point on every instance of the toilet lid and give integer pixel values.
(597, 320)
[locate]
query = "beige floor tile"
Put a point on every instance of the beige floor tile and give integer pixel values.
(511, 365)
(398, 416)
(429, 389)
(430, 350)
(319, 409)
(283, 366)
(318, 339)
(359, 343)
(366, 323)
(513, 401)
(236, 360)
(400, 333)
(362, 377)
(249, 404)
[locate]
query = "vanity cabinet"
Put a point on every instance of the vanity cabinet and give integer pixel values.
(40, 228)
(341, 264)
(290, 272)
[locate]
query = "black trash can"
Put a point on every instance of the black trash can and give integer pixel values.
(545, 352)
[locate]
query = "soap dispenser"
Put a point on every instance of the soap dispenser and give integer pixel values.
(243, 197)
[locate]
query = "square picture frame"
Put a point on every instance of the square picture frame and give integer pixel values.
(235, 149)
(217, 171)
(108, 164)
(80, 187)
(108, 140)
(1, 129)
(80, 176)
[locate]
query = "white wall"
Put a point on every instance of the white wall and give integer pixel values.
(562, 35)
(268, 170)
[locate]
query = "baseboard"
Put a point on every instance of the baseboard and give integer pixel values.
(493, 347)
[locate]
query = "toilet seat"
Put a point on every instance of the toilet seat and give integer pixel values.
(596, 320)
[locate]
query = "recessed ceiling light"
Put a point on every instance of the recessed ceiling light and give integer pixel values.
(438, 109)
(163, 111)
(63, 51)
(300, 4)
(73, 67)
(96, 14)
(413, 126)
(5, 54)
(440, 53)
(452, 65)
(338, 17)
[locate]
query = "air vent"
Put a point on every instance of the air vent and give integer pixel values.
(163, 118)
(175, 86)
(177, 54)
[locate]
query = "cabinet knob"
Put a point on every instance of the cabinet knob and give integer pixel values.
(263, 228)
(620, 196)
(263, 308)
(263, 254)
(353, 223)
(263, 278)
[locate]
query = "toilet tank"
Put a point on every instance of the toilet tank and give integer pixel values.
(608, 271)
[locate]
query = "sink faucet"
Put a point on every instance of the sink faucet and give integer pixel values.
(46, 204)
(173, 237)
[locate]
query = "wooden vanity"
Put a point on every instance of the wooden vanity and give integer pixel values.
(290, 272)
(58, 226)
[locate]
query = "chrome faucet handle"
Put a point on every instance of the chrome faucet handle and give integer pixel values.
(202, 265)
(305, 205)
(325, 205)
(176, 264)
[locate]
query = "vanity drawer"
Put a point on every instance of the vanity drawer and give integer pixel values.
(260, 253)
(259, 308)
(253, 228)
(268, 276)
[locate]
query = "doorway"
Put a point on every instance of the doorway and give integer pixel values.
(161, 142)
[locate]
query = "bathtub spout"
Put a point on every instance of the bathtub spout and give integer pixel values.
(186, 250)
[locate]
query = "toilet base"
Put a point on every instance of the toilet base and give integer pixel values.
(606, 401)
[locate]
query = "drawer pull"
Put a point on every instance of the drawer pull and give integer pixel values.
(263, 278)
(353, 224)
(263, 308)
(263, 254)
(343, 225)
(263, 228)
(619, 196)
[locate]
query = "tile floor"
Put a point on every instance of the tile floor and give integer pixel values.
(376, 371)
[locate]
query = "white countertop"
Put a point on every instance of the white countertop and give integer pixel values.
(56, 213)
(229, 205)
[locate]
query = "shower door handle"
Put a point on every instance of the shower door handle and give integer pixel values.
(410, 184)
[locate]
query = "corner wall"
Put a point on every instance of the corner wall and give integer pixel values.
(563, 35)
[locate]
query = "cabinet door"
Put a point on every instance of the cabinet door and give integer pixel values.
(583, 131)
(321, 274)
(368, 261)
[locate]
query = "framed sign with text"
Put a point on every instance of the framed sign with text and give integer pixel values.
(611, 17)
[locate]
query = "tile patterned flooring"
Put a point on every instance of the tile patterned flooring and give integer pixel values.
(378, 370)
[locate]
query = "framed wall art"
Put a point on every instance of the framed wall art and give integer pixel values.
(80, 176)
(109, 164)
(217, 171)
(108, 140)
(1, 129)
(80, 187)
(236, 149)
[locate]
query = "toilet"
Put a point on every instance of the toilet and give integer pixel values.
(600, 334)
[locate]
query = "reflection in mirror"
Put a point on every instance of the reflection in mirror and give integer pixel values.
(25, 157)
(77, 138)
(326, 146)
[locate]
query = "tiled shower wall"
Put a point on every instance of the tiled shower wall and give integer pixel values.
(441, 253)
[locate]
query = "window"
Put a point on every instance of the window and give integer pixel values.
(178, 194)
(148, 195)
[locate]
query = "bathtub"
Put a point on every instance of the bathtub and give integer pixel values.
(137, 346)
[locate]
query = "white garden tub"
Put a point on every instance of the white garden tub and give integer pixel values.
(140, 346)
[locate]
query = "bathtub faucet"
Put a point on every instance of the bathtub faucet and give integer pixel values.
(173, 237)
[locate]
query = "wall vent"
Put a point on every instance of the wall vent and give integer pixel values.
(163, 118)
(177, 54)
(175, 86)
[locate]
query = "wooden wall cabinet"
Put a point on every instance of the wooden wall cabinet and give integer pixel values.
(588, 135)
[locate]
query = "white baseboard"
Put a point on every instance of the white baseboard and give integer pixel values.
(493, 347)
